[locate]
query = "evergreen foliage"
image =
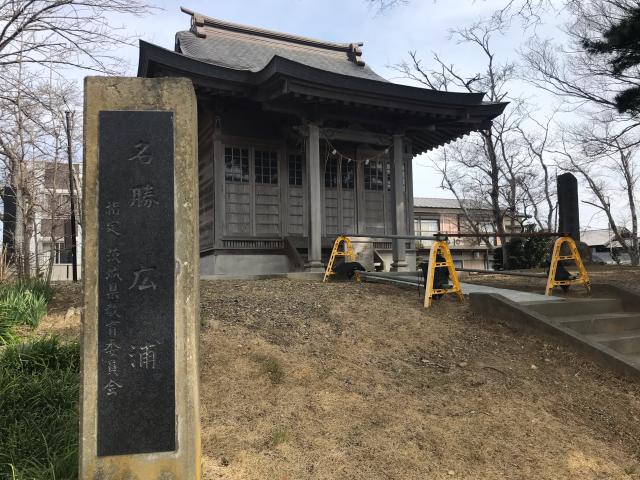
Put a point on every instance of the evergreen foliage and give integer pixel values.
(621, 42)
(524, 253)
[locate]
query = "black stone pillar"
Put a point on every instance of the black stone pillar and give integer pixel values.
(568, 208)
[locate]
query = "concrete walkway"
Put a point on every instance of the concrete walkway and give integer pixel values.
(513, 295)
(467, 288)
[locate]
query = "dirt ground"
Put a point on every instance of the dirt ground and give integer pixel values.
(302, 380)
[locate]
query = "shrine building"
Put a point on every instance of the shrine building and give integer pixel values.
(300, 141)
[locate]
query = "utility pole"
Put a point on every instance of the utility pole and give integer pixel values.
(74, 262)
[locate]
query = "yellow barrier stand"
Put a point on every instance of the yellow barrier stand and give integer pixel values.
(346, 251)
(453, 276)
(583, 277)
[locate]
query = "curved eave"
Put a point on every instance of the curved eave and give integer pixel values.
(201, 71)
(433, 118)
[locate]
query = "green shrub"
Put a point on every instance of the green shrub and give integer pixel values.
(22, 307)
(39, 389)
(24, 302)
(524, 253)
(7, 335)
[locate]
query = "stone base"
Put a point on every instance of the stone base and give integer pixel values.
(314, 266)
(399, 267)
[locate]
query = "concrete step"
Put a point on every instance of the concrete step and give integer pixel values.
(634, 359)
(602, 323)
(626, 343)
(578, 306)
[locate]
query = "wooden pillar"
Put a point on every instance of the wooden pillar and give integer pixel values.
(410, 215)
(360, 196)
(399, 263)
(218, 184)
(314, 257)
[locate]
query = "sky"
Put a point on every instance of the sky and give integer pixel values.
(421, 25)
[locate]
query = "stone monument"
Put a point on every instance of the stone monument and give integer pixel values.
(568, 206)
(140, 413)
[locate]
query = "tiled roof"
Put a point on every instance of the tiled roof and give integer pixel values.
(241, 47)
(433, 202)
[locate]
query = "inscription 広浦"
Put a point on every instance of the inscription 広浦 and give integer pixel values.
(136, 353)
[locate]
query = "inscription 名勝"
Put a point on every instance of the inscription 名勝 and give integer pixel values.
(136, 291)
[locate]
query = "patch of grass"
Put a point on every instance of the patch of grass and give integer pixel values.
(271, 367)
(7, 335)
(39, 389)
(22, 307)
(278, 436)
(23, 302)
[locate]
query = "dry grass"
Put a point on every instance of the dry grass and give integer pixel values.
(376, 387)
(308, 381)
(63, 318)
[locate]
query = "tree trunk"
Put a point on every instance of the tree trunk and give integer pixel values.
(495, 195)
(18, 236)
(36, 250)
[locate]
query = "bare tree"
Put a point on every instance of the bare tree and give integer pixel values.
(607, 162)
(20, 134)
(491, 166)
(539, 142)
(76, 33)
(58, 98)
(473, 205)
(583, 81)
(601, 144)
(31, 145)
(37, 36)
(529, 12)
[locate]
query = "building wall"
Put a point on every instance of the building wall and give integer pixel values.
(244, 264)
(466, 252)
(239, 201)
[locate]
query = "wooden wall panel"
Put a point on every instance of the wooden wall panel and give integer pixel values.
(331, 211)
(267, 210)
(374, 212)
(238, 209)
(296, 210)
(348, 211)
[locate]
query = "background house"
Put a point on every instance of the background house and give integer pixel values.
(446, 215)
(604, 247)
(49, 224)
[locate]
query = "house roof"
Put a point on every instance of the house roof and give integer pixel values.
(242, 47)
(603, 237)
(449, 203)
(306, 77)
(596, 237)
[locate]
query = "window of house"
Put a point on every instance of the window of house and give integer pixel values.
(236, 164)
(331, 173)
(61, 255)
(374, 176)
(266, 164)
(55, 229)
(426, 227)
(348, 174)
(295, 170)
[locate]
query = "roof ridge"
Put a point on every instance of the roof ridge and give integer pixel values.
(198, 21)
